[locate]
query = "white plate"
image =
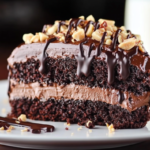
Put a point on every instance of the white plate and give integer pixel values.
(61, 138)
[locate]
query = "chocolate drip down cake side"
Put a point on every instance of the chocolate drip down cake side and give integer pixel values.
(78, 70)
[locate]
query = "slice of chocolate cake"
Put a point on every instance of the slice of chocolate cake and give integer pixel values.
(81, 70)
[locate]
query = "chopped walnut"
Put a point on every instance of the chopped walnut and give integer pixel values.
(128, 44)
(97, 35)
(78, 35)
(27, 38)
(22, 117)
(90, 18)
(60, 36)
(109, 22)
(43, 36)
(141, 48)
(90, 30)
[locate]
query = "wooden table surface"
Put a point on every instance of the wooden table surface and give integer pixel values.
(140, 146)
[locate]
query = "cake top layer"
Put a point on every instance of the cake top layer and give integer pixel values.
(85, 40)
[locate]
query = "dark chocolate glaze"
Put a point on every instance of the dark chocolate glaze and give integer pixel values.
(32, 127)
(130, 35)
(99, 48)
(95, 24)
(42, 68)
(9, 89)
(84, 62)
(114, 41)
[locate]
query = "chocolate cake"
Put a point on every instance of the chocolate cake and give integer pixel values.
(78, 70)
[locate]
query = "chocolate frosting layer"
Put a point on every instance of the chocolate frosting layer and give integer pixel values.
(57, 49)
(78, 92)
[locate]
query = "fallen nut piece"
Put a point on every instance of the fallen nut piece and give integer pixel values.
(110, 127)
(90, 18)
(90, 30)
(82, 17)
(128, 44)
(43, 36)
(2, 128)
(25, 130)
(89, 124)
(10, 128)
(22, 117)
(109, 22)
(78, 35)
(27, 38)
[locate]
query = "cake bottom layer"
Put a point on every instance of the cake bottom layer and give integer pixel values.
(78, 111)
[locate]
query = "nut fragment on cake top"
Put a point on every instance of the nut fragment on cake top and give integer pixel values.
(81, 69)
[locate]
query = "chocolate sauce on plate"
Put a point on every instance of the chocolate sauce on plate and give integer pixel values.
(32, 127)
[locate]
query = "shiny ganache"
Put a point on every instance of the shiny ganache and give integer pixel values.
(32, 127)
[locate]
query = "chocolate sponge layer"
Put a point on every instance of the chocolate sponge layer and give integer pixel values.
(63, 71)
(78, 111)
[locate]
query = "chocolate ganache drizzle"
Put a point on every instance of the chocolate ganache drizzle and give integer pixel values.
(32, 127)
(42, 68)
(84, 62)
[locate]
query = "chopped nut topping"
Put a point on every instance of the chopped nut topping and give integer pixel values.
(52, 30)
(27, 38)
(63, 29)
(138, 37)
(90, 30)
(123, 28)
(97, 35)
(82, 17)
(108, 42)
(122, 36)
(128, 44)
(141, 48)
(22, 117)
(109, 22)
(79, 35)
(90, 18)
(43, 36)
(35, 38)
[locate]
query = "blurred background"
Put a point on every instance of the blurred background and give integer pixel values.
(28, 16)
